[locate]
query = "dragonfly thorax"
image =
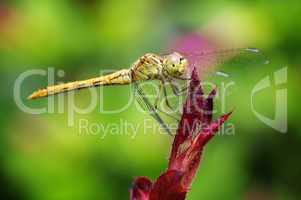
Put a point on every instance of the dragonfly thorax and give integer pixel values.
(175, 64)
(152, 66)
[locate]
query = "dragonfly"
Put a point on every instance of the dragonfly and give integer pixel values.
(167, 69)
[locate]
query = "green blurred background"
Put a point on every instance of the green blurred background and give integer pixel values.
(44, 159)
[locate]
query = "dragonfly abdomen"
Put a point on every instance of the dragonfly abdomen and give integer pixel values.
(120, 77)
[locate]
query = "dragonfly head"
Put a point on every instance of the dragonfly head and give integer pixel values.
(175, 64)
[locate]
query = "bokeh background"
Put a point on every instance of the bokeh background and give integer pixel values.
(44, 159)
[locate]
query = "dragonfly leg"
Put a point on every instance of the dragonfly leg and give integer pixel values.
(157, 101)
(146, 105)
(165, 96)
(181, 78)
(169, 115)
(158, 96)
(175, 88)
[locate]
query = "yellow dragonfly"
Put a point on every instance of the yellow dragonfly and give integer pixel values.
(148, 67)
(164, 68)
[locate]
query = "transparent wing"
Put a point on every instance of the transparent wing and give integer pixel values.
(146, 105)
(213, 60)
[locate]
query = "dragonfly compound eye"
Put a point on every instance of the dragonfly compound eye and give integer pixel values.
(175, 64)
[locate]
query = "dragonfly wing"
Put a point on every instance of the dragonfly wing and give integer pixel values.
(145, 104)
(207, 61)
